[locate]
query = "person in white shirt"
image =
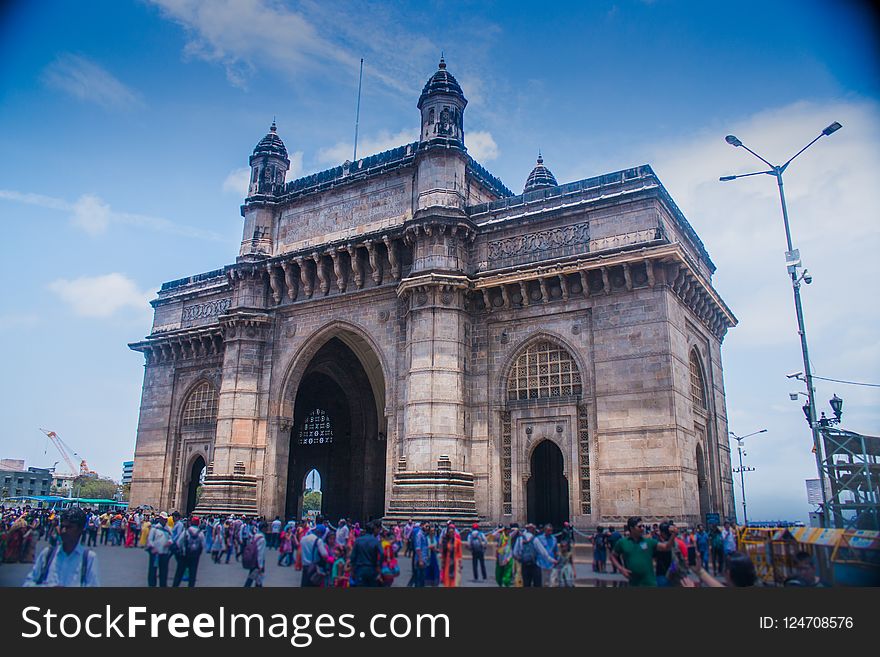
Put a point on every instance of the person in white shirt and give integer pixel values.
(68, 563)
(342, 534)
(159, 549)
(276, 533)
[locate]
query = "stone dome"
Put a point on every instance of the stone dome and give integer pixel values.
(441, 82)
(540, 178)
(271, 144)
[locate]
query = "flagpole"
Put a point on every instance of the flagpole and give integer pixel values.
(357, 118)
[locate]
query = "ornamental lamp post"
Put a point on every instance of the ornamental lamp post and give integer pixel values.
(793, 264)
(741, 470)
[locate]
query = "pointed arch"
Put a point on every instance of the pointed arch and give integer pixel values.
(699, 394)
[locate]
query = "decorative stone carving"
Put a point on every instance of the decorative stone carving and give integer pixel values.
(205, 310)
(539, 242)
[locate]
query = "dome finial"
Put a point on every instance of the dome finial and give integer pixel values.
(540, 158)
(273, 127)
(442, 64)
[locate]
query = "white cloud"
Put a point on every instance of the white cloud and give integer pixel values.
(237, 181)
(84, 79)
(342, 151)
(238, 33)
(101, 296)
(481, 145)
(91, 214)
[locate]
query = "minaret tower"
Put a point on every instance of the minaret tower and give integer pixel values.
(269, 165)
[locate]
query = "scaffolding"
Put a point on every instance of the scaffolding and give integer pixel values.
(852, 467)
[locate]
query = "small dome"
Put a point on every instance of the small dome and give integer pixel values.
(540, 178)
(271, 144)
(441, 82)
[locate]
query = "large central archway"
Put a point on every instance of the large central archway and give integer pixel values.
(338, 431)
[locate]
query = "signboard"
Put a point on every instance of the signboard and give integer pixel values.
(713, 519)
(814, 492)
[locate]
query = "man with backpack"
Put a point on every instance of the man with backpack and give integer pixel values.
(68, 563)
(314, 555)
(527, 551)
(477, 543)
(189, 547)
(253, 557)
(159, 550)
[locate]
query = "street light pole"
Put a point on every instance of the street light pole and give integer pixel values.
(793, 263)
(741, 470)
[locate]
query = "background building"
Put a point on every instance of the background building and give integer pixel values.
(34, 481)
(437, 346)
(127, 468)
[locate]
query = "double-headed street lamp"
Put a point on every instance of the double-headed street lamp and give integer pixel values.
(793, 263)
(741, 470)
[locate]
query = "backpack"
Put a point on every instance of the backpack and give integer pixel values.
(528, 552)
(476, 541)
(249, 555)
(88, 555)
(192, 545)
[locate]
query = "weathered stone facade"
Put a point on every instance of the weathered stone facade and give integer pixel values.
(439, 347)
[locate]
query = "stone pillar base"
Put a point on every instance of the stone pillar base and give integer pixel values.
(435, 496)
(228, 494)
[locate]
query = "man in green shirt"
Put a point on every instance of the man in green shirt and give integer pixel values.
(634, 554)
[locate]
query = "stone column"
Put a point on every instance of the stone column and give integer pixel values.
(433, 484)
(240, 444)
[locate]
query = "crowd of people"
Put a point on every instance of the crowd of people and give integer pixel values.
(351, 555)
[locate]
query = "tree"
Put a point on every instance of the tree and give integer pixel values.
(94, 488)
(126, 492)
(312, 500)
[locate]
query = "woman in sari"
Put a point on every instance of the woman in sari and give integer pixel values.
(390, 567)
(450, 558)
(15, 541)
(504, 560)
(145, 532)
(432, 567)
(285, 546)
(130, 532)
(301, 531)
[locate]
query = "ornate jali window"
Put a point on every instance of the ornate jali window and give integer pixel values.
(316, 429)
(698, 383)
(507, 505)
(544, 369)
(201, 406)
(584, 453)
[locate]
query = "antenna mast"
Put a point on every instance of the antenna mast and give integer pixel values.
(357, 118)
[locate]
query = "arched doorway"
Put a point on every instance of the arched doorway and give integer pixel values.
(547, 490)
(338, 430)
(196, 478)
(312, 495)
(702, 484)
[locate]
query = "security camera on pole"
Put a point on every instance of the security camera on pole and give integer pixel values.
(793, 264)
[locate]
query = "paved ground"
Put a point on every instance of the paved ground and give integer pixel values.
(120, 566)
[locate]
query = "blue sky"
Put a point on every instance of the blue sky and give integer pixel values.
(125, 127)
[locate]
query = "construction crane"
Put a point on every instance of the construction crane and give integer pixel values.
(65, 451)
